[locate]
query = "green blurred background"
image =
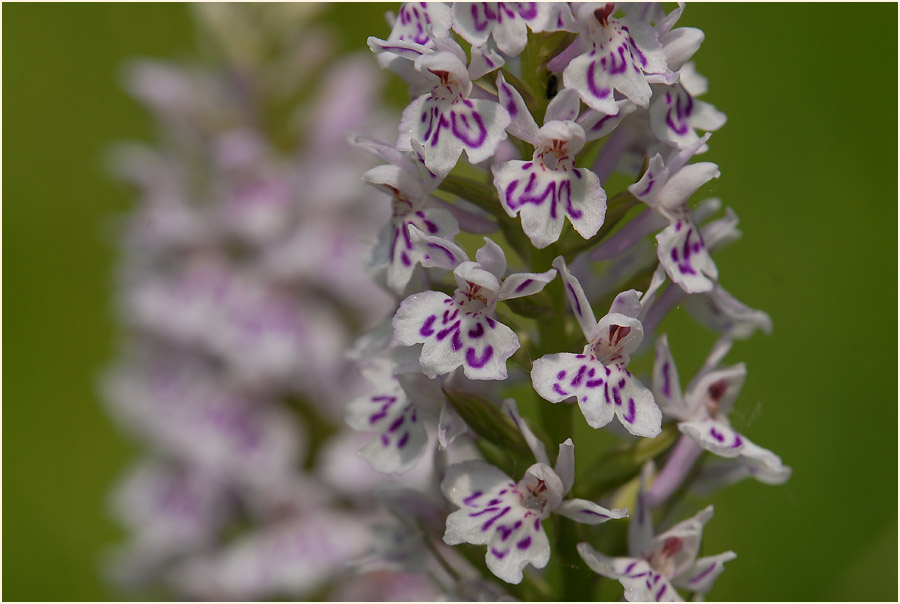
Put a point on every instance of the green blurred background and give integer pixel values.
(807, 157)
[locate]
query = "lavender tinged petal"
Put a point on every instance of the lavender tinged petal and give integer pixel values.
(639, 227)
(471, 221)
(661, 307)
(588, 512)
(616, 145)
(673, 474)
(558, 63)
(534, 443)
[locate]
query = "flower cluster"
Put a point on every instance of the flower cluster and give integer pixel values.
(616, 92)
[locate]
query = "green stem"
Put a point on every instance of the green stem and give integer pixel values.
(556, 419)
(481, 194)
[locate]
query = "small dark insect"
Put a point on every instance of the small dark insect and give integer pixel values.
(552, 86)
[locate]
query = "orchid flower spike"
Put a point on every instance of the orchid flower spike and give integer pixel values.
(461, 330)
(598, 378)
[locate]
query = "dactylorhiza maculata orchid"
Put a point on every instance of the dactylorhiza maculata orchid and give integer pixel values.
(422, 292)
(506, 232)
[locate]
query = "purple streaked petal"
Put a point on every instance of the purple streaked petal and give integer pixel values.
(588, 512)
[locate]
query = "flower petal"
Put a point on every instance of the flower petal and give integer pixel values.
(450, 425)
(415, 320)
(519, 285)
(522, 124)
(666, 384)
(677, 548)
(684, 255)
(679, 45)
(439, 252)
(583, 74)
(484, 60)
(588, 512)
(527, 544)
(542, 196)
(700, 577)
(399, 446)
(627, 303)
(577, 299)
(491, 258)
(376, 411)
(534, 443)
(491, 513)
(565, 465)
(716, 390)
(565, 106)
(633, 403)
(685, 182)
(472, 484)
(557, 377)
(599, 563)
(715, 436)
(421, 22)
(720, 311)
(399, 57)
(597, 123)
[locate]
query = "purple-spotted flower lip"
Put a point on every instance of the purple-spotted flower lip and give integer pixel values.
(506, 515)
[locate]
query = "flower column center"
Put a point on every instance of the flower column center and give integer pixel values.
(555, 156)
(448, 89)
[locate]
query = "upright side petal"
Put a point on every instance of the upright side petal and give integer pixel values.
(565, 106)
(537, 447)
(666, 384)
(577, 299)
(522, 124)
(491, 258)
(565, 464)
